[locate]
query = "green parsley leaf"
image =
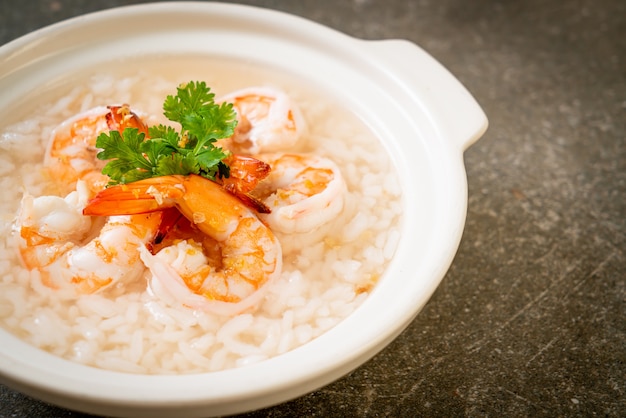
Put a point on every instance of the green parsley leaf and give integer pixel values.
(126, 164)
(193, 107)
(131, 156)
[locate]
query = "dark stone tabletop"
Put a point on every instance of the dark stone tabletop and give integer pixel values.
(531, 318)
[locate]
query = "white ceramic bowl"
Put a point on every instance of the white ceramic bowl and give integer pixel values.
(421, 113)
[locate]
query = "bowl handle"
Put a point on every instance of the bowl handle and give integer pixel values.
(447, 102)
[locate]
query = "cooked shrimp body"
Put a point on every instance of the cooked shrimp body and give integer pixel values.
(49, 225)
(71, 150)
(250, 256)
(267, 121)
(302, 191)
(58, 241)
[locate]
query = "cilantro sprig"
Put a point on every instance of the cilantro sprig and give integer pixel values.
(131, 156)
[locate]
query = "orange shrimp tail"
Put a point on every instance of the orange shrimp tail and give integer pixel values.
(245, 173)
(171, 218)
(121, 117)
(249, 200)
(143, 196)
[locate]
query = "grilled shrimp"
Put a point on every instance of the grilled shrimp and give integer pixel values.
(70, 250)
(267, 121)
(246, 254)
(302, 191)
(71, 151)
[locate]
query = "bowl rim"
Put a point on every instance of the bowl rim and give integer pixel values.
(35, 372)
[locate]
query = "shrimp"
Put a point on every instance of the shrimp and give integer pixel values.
(267, 121)
(56, 239)
(302, 191)
(245, 174)
(71, 151)
(247, 256)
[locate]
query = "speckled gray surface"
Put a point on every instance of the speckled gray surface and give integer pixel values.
(531, 318)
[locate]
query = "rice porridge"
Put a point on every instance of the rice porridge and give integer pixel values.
(326, 274)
